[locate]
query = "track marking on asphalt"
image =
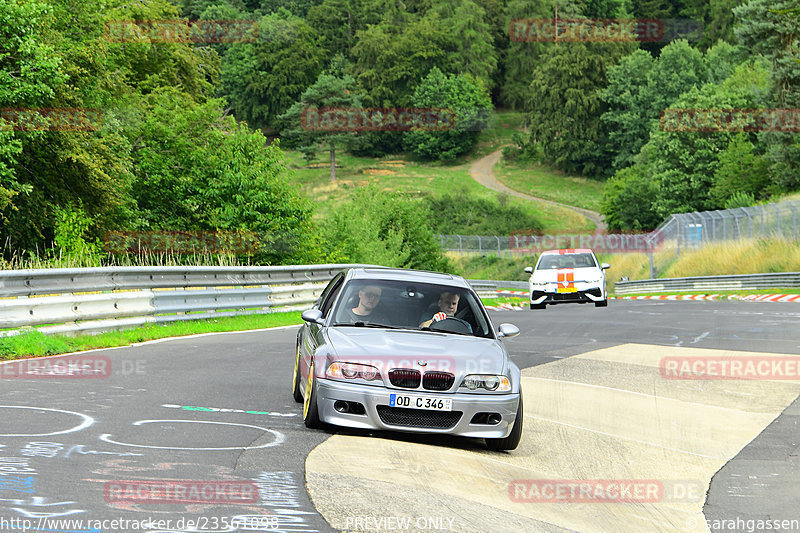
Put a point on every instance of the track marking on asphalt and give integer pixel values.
(279, 437)
(605, 414)
(87, 421)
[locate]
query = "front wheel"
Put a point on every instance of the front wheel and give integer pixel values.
(310, 413)
(512, 441)
(603, 303)
(538, 306)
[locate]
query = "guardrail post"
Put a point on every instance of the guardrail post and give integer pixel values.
(480, 248)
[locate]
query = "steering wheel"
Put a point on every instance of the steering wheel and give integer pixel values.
(463, 325)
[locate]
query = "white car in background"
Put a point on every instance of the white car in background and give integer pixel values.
(568, 276)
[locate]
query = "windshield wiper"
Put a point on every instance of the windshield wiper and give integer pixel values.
(373, 325)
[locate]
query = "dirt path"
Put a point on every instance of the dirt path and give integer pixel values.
(482, 171)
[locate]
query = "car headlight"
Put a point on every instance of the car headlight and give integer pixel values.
(489, 382)
(340, 370)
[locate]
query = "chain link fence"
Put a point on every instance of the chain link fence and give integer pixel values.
(679, 232)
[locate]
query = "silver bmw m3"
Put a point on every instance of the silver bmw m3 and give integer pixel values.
(407, 350)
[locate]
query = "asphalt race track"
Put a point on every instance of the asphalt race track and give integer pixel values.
(201, 434)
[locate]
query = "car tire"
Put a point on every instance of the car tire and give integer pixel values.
(310, 412)
(604, 303)
(538, 306)
(512, 441)
(298, 396)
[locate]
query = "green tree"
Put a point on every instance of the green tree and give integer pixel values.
(338, 21)
(520, 57)
(300, 124)
(263, 79)
(389, 62)
(630, 114)
(566, 106)
(626, 200)
(740, 170)
(767, 27)
(473, 49)
(470, 105)
(683, 161)
(640, 88)
(199, 170)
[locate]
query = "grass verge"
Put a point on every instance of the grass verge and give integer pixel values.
(37, 344)
(543, 182)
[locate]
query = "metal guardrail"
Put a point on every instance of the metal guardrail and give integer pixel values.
(487, 288)
(711, 283)
(99, 299)
(88, 300)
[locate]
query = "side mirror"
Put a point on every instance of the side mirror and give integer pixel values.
(529, 270)
(507, 330)
(312, 315)
(605, 266)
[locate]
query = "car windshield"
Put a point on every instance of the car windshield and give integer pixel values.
(582, 260)
(406, 305)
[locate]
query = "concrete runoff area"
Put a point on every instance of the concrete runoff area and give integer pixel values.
(593, 420)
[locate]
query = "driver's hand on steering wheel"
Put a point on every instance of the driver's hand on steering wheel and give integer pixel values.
(439, 316)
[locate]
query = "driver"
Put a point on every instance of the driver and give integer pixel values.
(447, 305)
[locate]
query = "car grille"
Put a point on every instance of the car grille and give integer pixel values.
(421, 418)
(437, 380)
(404, 377)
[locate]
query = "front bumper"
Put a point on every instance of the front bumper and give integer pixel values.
(548, 295)
(372, 397)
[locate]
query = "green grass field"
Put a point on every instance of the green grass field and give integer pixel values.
(543, 182)
(404, 174)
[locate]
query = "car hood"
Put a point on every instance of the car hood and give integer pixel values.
(578, 274)
(406, 348)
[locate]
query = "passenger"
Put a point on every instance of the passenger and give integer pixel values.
(368, 299)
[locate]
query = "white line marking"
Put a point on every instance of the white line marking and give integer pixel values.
(701, 337)
(87, 421)
(279, 437)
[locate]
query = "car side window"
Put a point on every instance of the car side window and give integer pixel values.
(326, 291)
(331, 297)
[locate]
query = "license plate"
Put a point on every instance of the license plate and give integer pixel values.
(567, 289)
(420, 402)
